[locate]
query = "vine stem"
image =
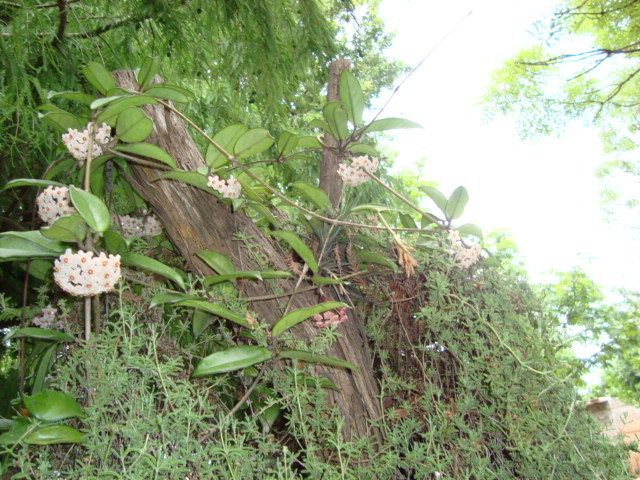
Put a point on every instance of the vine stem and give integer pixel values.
(282, 197)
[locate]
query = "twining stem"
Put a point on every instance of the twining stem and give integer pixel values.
(282, 197)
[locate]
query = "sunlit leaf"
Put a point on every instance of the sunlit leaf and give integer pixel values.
(39, 334)
(336, 118)
(316, 358)
(317, 123)
(232, 359)
(351, 97)
(91, 208)
(98, 76)
(172, 297)
(214, 280)
(309, 142)
(133, 125)
(363, 148)
(314, 195)
(51, 406)
(71, 228)
(79, 97)
(192, 178)
(170, 92)
(436, 195)
(470, 229)
(253, 142)
(225, 139)
(299, 247)
(219, 262)
(287, 141)
(390, 124)
(296, 316)
(150, 66)
(148, 150)
(122, 103)
(153, 265)
(456, 203)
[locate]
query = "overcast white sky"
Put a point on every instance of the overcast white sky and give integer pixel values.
(544, 192)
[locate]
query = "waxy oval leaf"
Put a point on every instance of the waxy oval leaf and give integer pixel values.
(150, 66)
(170, 92)
(31, 182)
(295, 317)
(314, 195)
(219, 262)
(71, 228)
(232, 359)
(98, 76)
(54, 434)
(91, 208)
(133, 125)
(214, 309)
(390, 124)
(51, 406)
(351, 97)
(39, 334)
(148, 150)
(456, 203)
(31, 244)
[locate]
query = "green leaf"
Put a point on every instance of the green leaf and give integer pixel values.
(101, 102)
(219, 262)
(351, 97)
(148, 150)
(17, 430)
(299, 247)
(71, 228)
(79, 97)
(314, 195)
(407, 220)
(170, 92)
(436, 195)
(54, 434)
(232, 359)
(154, 266)
(364, 149)
(456, 203)
(133, 125)
(336, 118)
(172, 297)
(91, 208)
(287, 141)
(296, 316)
(114, 242)
(470, 229)
(201, 320)
(214, 309)
(275, 274)
(51, 406)
(326, 281)
(99, 77)
(39, 334)
(309, 142)
(122, 103)
(31, 182)
(390, 124)
(317, 123)
(32, 244)
(150, 66)
(192, 178)
(253, 142)
(372, 208)
(214, 280)
(226, 139)
(59, 119)
(366, 256)
(316, 358)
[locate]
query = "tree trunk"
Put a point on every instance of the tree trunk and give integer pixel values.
(194, 221)
(330, 182)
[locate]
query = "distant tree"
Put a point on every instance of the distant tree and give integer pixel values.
(585, 64)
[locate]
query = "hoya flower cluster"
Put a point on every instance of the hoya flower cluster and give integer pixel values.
(227, 188)
(330, 317)
(84, 274)
(148, 226)
(464, 256)
(48, 318)
(53, 203)
(77, 142)
(354, 174)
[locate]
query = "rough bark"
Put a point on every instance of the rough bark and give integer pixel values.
(194, 221)
(330, 182)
